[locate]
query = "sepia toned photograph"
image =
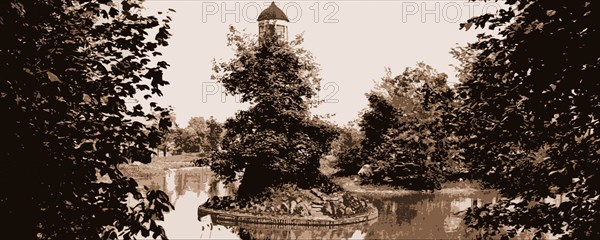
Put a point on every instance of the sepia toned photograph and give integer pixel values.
(299, 120)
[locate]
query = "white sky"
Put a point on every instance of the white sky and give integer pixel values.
(353, 41)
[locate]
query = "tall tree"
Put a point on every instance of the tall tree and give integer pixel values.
(66, 69)
(167, 144)
(214, 135)
(346, 150)
(197, 125)
(380, 117)
(275, 141)
(409, 147)
(185, 140)
(532, 105)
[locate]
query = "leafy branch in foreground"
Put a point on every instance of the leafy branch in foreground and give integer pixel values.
(67, 69)
(530, 114)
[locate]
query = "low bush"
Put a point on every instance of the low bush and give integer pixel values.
(202, 161)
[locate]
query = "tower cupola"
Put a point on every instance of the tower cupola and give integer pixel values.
(273, 20)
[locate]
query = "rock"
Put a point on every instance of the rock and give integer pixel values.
(365, 171)
(293, 206)
(317, 193)
(334, 210)
(340, 212)
(341, 205)
(315, 213)
(327, 209)
(304, 211)
(349, 210)
(283, 207)
(305, 205)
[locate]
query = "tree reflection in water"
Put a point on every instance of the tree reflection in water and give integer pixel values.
(410, 216)
(398, 209)
(354, 231)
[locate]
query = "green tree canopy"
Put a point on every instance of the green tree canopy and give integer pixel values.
(346, 150)
(404, 128)
(531, 113)
(184, 140)
(66, 69)
(197, 125)
(214, 135)
(200, 136)
(275, 141)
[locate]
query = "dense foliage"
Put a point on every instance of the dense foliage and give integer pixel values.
(408, 139)
(200, 136)
(66, 69)
(345, 150)
(532, 104)
(214, 135)
(275, 141)
(405, 128)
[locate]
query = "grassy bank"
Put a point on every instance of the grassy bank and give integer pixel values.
(450, 188)
(158, 165)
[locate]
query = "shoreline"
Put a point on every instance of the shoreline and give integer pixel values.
(233, 217)
(349, 185)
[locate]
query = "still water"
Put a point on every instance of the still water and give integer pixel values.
(414, 216)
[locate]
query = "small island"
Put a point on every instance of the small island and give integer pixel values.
(293, 207)
(274, 148)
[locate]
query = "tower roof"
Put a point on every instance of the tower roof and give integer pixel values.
(271, 13)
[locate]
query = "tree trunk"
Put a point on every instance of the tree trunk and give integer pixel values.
(256, 179)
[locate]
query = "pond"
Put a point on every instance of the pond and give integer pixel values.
(409, 216)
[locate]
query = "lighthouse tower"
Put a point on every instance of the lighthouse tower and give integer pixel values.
(273, 21)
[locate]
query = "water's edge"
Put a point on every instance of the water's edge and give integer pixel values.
(237, 217)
